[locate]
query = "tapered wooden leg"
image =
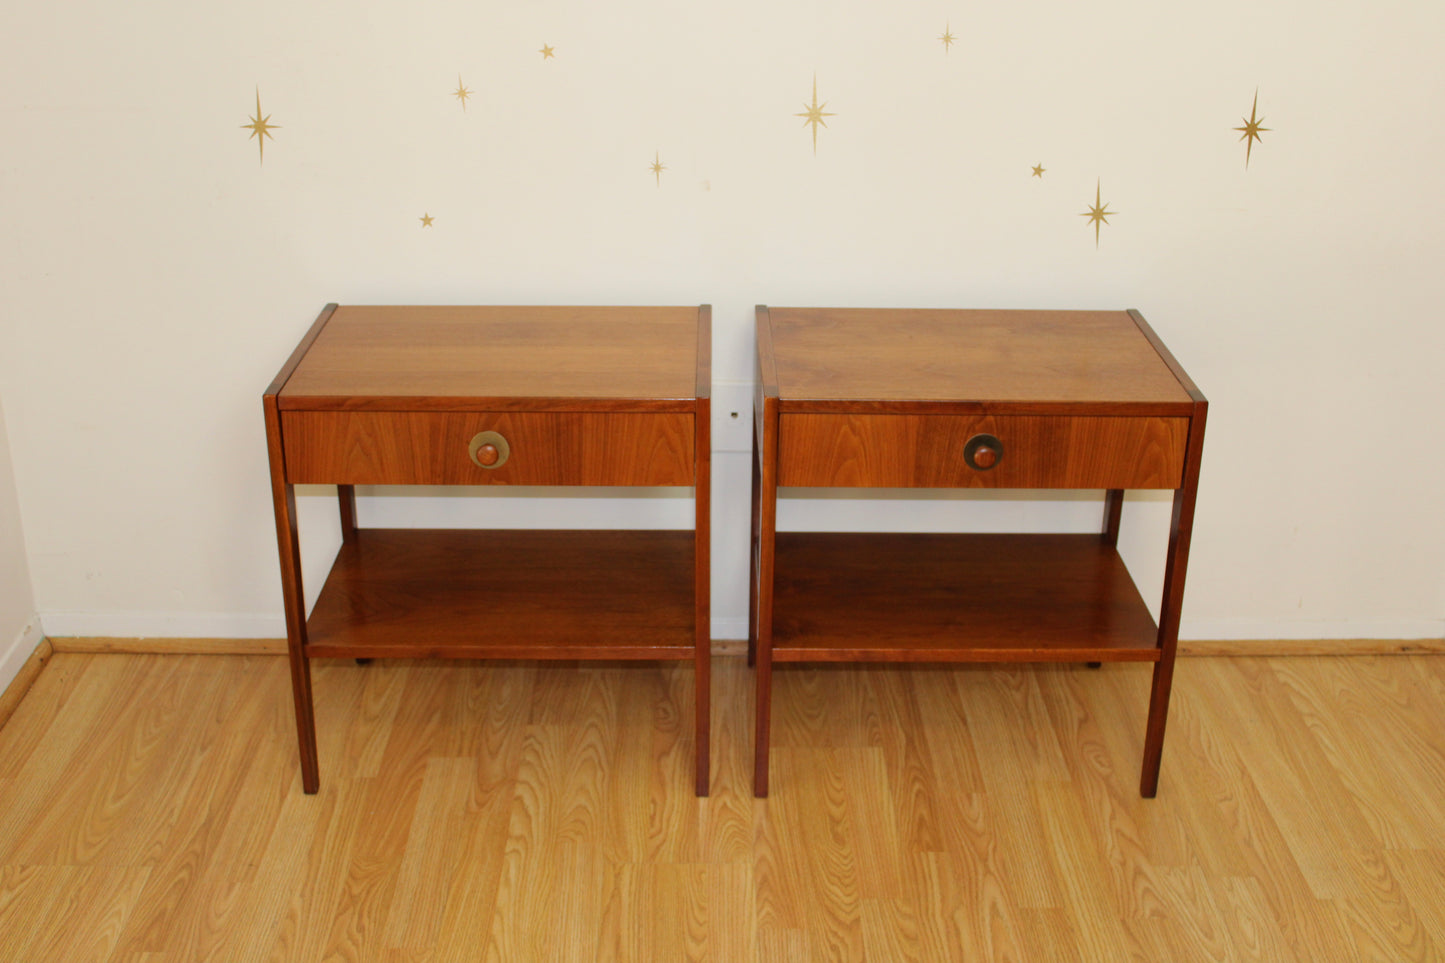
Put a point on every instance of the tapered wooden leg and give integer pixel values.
(767, 539)
(295, 607)
(753, 552)
(702, 592)
(1168, 643)
(1113, 510)
(1181, 528)
(1154, 735)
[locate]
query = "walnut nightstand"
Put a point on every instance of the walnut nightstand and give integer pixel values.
(966, 399)
(497, 396)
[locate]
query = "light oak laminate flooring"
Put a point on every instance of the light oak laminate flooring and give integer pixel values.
(151, 809)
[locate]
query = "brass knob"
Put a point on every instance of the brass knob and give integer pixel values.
(488, 450)
(982, 452)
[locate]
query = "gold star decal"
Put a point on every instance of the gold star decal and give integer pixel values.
(426, 220)
(947, 37)
(1251, 129)
(546, 52)
(1098, 214)
(260, 126)
(657, 167)
(461, 93)
(815, 113)
(1039, 170)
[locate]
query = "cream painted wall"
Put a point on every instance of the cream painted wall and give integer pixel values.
(19, 628)
(156, 274)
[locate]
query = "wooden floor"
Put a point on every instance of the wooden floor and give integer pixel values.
(151, 809)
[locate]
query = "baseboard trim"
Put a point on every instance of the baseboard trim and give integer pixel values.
(734, 647)
(106, 645)
(15, 692)
(1289, 647)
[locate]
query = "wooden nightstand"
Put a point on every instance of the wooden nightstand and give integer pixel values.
(497, 396)
(966, 399)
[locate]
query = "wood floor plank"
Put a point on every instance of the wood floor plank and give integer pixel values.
(1308, 798)
(1361, 713)
(890, 931)
(314, 894)
(44, 706)
(518, 811)
(968, 888)
(1253, 929)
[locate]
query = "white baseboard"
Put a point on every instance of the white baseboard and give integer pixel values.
(19, 650)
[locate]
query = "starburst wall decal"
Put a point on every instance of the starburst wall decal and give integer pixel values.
(657, 166)
(462, 92)
(260, 127)
(1251, 129)
(814, 113)
(947, 37)
(1098, 214)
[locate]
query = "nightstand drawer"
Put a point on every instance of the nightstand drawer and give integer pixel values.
(980, 451)
(488, 448)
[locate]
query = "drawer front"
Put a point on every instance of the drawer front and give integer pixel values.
(928, 451)
(434, 448)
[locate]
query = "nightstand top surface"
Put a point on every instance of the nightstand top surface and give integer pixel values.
(985, 356)
(373, 353)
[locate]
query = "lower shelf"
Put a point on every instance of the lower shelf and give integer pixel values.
(411, 593)
(954, 598)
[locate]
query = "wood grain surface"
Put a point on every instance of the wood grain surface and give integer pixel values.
(431, 448)
(991, 357)
(975, 598)
(488, 593)
(150, 810)
(419, 357)
(927, 451)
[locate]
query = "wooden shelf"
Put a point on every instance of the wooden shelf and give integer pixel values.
(956, 598)
(416, 593)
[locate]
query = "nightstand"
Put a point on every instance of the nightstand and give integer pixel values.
(966, 399)
(496, 396)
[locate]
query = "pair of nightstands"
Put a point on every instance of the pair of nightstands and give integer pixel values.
(621, 396)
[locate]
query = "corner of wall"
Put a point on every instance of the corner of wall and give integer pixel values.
(19, 649)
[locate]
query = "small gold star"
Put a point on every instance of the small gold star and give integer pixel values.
(426, 220)
(1251, 129)
(461, 93)
(657, 167)
(546, 52)
(947, 37)
(260, 127)
(815, 113)
(1098, 214)
(1039, 170)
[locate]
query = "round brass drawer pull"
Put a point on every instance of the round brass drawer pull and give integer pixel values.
(489, 450)
(982, 452)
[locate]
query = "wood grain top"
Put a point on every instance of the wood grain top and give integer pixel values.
(1007, 357)
(425, 357)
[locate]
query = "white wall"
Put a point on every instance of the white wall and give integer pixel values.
(19, 627)
(157, 274)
